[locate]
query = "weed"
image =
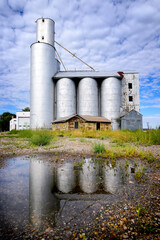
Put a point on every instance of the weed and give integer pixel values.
(140, 211)
(78, 165)
(40, 139)
(82, 140)
(13, 131)
(72, 139)
(139, 173)
(113, 163)
(99, 147)
(126, 164)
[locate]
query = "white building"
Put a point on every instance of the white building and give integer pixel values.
(22, 121)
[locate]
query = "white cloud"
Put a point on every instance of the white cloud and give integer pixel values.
(108, 35)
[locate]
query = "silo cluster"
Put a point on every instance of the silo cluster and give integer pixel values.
(88, 96)
(56, 94)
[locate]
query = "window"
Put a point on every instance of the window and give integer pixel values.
(130, 98)
(42, 37)
(42, 20)
(130, 85)
(76, 125)
(98, 126)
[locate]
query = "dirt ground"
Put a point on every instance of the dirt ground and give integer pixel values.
(135, 216)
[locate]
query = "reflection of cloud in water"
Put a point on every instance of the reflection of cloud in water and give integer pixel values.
(89, 176)
(65, 178)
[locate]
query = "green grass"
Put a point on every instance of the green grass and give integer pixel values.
(99, 148)
(119, 137)
(41, 138)
(126, 152)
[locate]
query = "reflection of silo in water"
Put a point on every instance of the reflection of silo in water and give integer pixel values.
(89, 176)
(43, 203)
(112, 178)
(65, 179)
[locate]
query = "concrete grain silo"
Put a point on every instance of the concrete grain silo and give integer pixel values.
(65, 97)
(87, 97)
(111, 100)
(55, 94)
(43, 67)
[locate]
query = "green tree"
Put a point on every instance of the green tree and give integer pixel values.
(4, 120)
(26, 109)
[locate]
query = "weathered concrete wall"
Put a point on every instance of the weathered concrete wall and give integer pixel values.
(130, 88)
(132, 121)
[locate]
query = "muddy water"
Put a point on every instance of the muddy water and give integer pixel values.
(36, 195)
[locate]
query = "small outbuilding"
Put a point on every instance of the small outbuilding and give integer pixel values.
(131, 120)
(81, 122)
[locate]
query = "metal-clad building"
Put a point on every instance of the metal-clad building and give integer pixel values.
(56, 94)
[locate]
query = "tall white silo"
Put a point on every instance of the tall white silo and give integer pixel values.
(87, 103)
(111, 100)
(66, 97)
(43, 67)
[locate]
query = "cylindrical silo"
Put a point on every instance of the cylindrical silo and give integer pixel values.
(43, 68)
(66, 97)
(111, 100)
(87, 103)
(45, 30)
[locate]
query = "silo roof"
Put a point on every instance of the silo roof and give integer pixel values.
(82, 74)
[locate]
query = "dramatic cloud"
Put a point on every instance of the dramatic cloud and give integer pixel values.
(107, 34)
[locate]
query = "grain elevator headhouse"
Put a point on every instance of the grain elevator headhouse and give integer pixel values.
(56, 94)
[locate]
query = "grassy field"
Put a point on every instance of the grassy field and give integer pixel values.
(122, 144)
(138, 137)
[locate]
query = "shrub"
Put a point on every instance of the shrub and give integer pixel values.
(28, 133)
(99, 148)
(40, 139)
(13, 131)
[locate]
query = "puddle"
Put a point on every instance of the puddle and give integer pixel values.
(36, 195)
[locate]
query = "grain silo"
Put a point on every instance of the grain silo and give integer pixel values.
(43, 67)
(57, 94)
(65, 97)
(111, 100)
(87, 97)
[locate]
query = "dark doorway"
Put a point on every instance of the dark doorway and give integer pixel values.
(98, 126)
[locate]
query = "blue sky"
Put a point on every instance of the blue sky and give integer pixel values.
(107, 34)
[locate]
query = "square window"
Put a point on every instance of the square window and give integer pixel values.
(130, 98)
(130, 85)
(76, 125)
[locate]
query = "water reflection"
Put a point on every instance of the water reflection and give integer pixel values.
(112, 178)
(65, 178)
(34, 192)
(42, 201)
(89, 176)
